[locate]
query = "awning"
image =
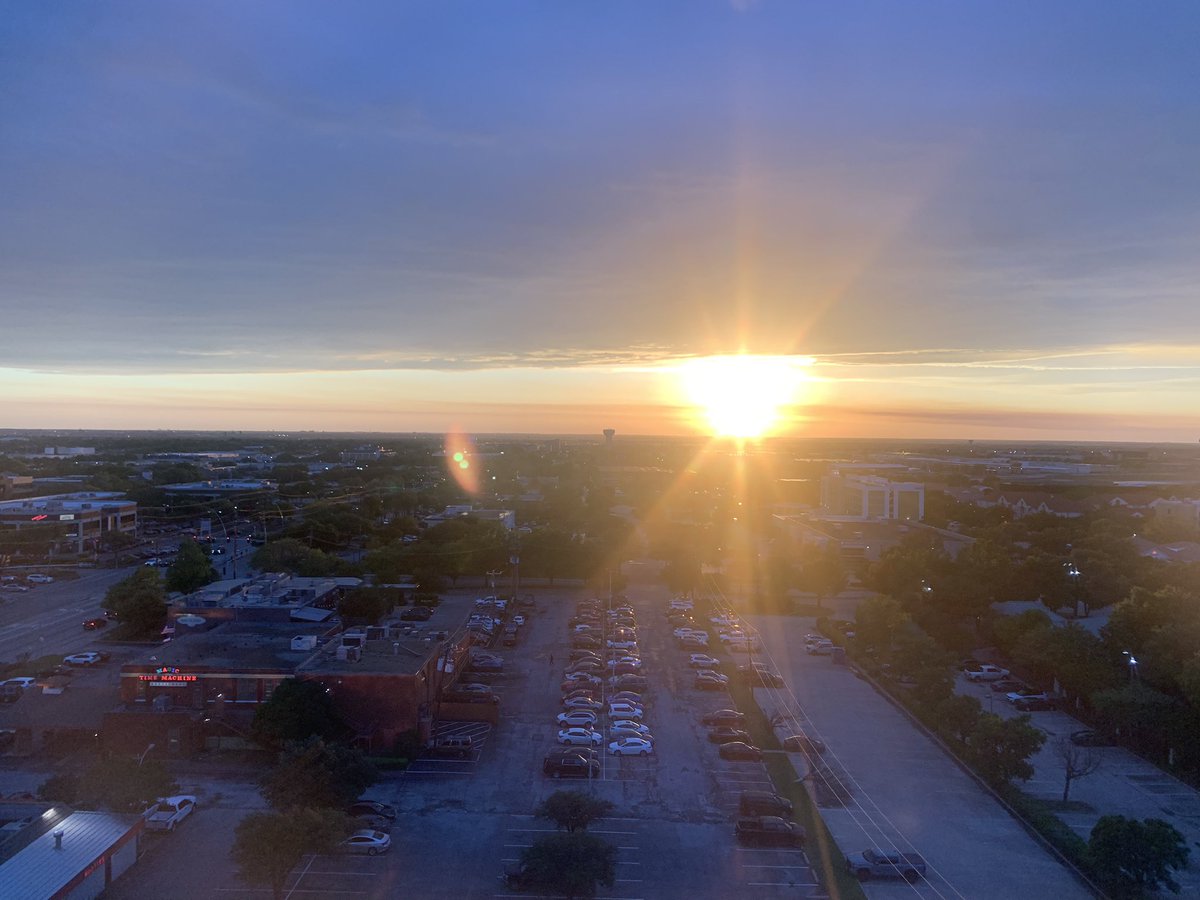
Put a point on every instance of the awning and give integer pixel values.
(311, 614)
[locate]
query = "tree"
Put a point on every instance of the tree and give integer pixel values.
(114, 542)
(367, 605)
(315, 773)
(957, 716)
(1000, 748)
(268, 845)
(822, 573)
(139, 600)
(573, 810)
(876, 622)
(1077, 762)
(571, 864)
(115, 783)
(191, 570)
(295, 711)
(290, 555)
(1141, 855)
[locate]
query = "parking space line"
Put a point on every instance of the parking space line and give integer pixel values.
(764, 866)
(782, 884)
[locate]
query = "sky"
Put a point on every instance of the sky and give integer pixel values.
(958, 220)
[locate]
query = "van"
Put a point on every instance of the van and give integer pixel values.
(457, 746)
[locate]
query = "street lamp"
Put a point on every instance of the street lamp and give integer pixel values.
(1133, 665)
(1074, 574)
(145, 753)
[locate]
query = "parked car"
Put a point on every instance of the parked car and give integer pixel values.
(802, 743)
(371, 808)
(820, 648)
(763, 803)
(577, 692)
(724, 717)
(577, 718)
(582, 703)
(706, 681)
(1025, 694)
(570, 766)
(629, 682)
(1006, 686)
(623, 731)
(89, 658)
(1034, 704)
(703, 661)
(457, 746)
(620, 709)
(367, 841)
(724, 734)
(38, 578)
(580, 735)
(986, 672)
(771, 831)
(739, 750)
(22, 681)
(878, 864)
(627, 696)
(1090, 738)
(631, 746)
(417, 614)
(632, 725)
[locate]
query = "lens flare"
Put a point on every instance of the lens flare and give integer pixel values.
(458, 450)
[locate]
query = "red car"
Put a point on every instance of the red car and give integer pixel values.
(93, 624)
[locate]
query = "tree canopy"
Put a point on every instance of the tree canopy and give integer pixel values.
(114, 783)
(139, 600)
(1138, 855)
(573, 810)
(268, 845)
(295, 711)
(191, 570)
(571, 864)
(316, 773)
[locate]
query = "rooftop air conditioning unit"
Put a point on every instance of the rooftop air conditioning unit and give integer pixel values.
(304, 642)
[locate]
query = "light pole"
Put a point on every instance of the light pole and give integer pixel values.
(145, 753)
(1074, 574)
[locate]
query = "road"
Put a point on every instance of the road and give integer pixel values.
(48, 618)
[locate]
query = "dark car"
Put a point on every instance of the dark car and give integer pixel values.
(1090, 738)
(739, 750)
(627, 696)
(416, 614)
(726, 717)
(371, 808)
(1006, 685)
(1033, 704)
(94, 624)
(763, 803)
(629, 683)
(725, 734)
(770, 831)
(570, 766)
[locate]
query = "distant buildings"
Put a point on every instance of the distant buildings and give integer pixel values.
(215, 490)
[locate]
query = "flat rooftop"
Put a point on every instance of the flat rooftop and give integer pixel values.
(236, 645)
(387, 656)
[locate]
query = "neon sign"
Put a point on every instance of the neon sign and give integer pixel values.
(167, 676)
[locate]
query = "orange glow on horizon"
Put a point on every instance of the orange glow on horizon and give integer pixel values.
(743, 396)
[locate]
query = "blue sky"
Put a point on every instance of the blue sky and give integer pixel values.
(980, 213)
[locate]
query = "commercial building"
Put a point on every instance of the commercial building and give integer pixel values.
(202, 689)
(85, 517)
(216, 490)
(872, 497)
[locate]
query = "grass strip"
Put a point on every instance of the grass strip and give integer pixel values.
(822, 849)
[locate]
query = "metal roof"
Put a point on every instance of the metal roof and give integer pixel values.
(40, 871)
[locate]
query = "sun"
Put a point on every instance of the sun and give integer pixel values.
(743, 396)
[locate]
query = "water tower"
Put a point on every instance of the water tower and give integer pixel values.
(608, 436)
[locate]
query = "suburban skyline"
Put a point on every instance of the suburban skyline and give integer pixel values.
(953, 222)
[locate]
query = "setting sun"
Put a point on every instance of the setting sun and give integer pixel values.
(742, 396)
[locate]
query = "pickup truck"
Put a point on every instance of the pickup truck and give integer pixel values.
(770, 830)
(986, 672)
(169, 812)
(878, 864)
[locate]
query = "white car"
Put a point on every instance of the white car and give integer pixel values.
(367, 841)
(629, 724)
(703, 661)
(709, 673)
(39, 579)
(624, 711)
(518, 620)
(582, 703)
(82, 659)
(684, 631)
(629, 644)
(986, 672)
(577, 717)
(582, 678)
(23, 682)
(631, 746)
(625, 661)
(580, 736)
